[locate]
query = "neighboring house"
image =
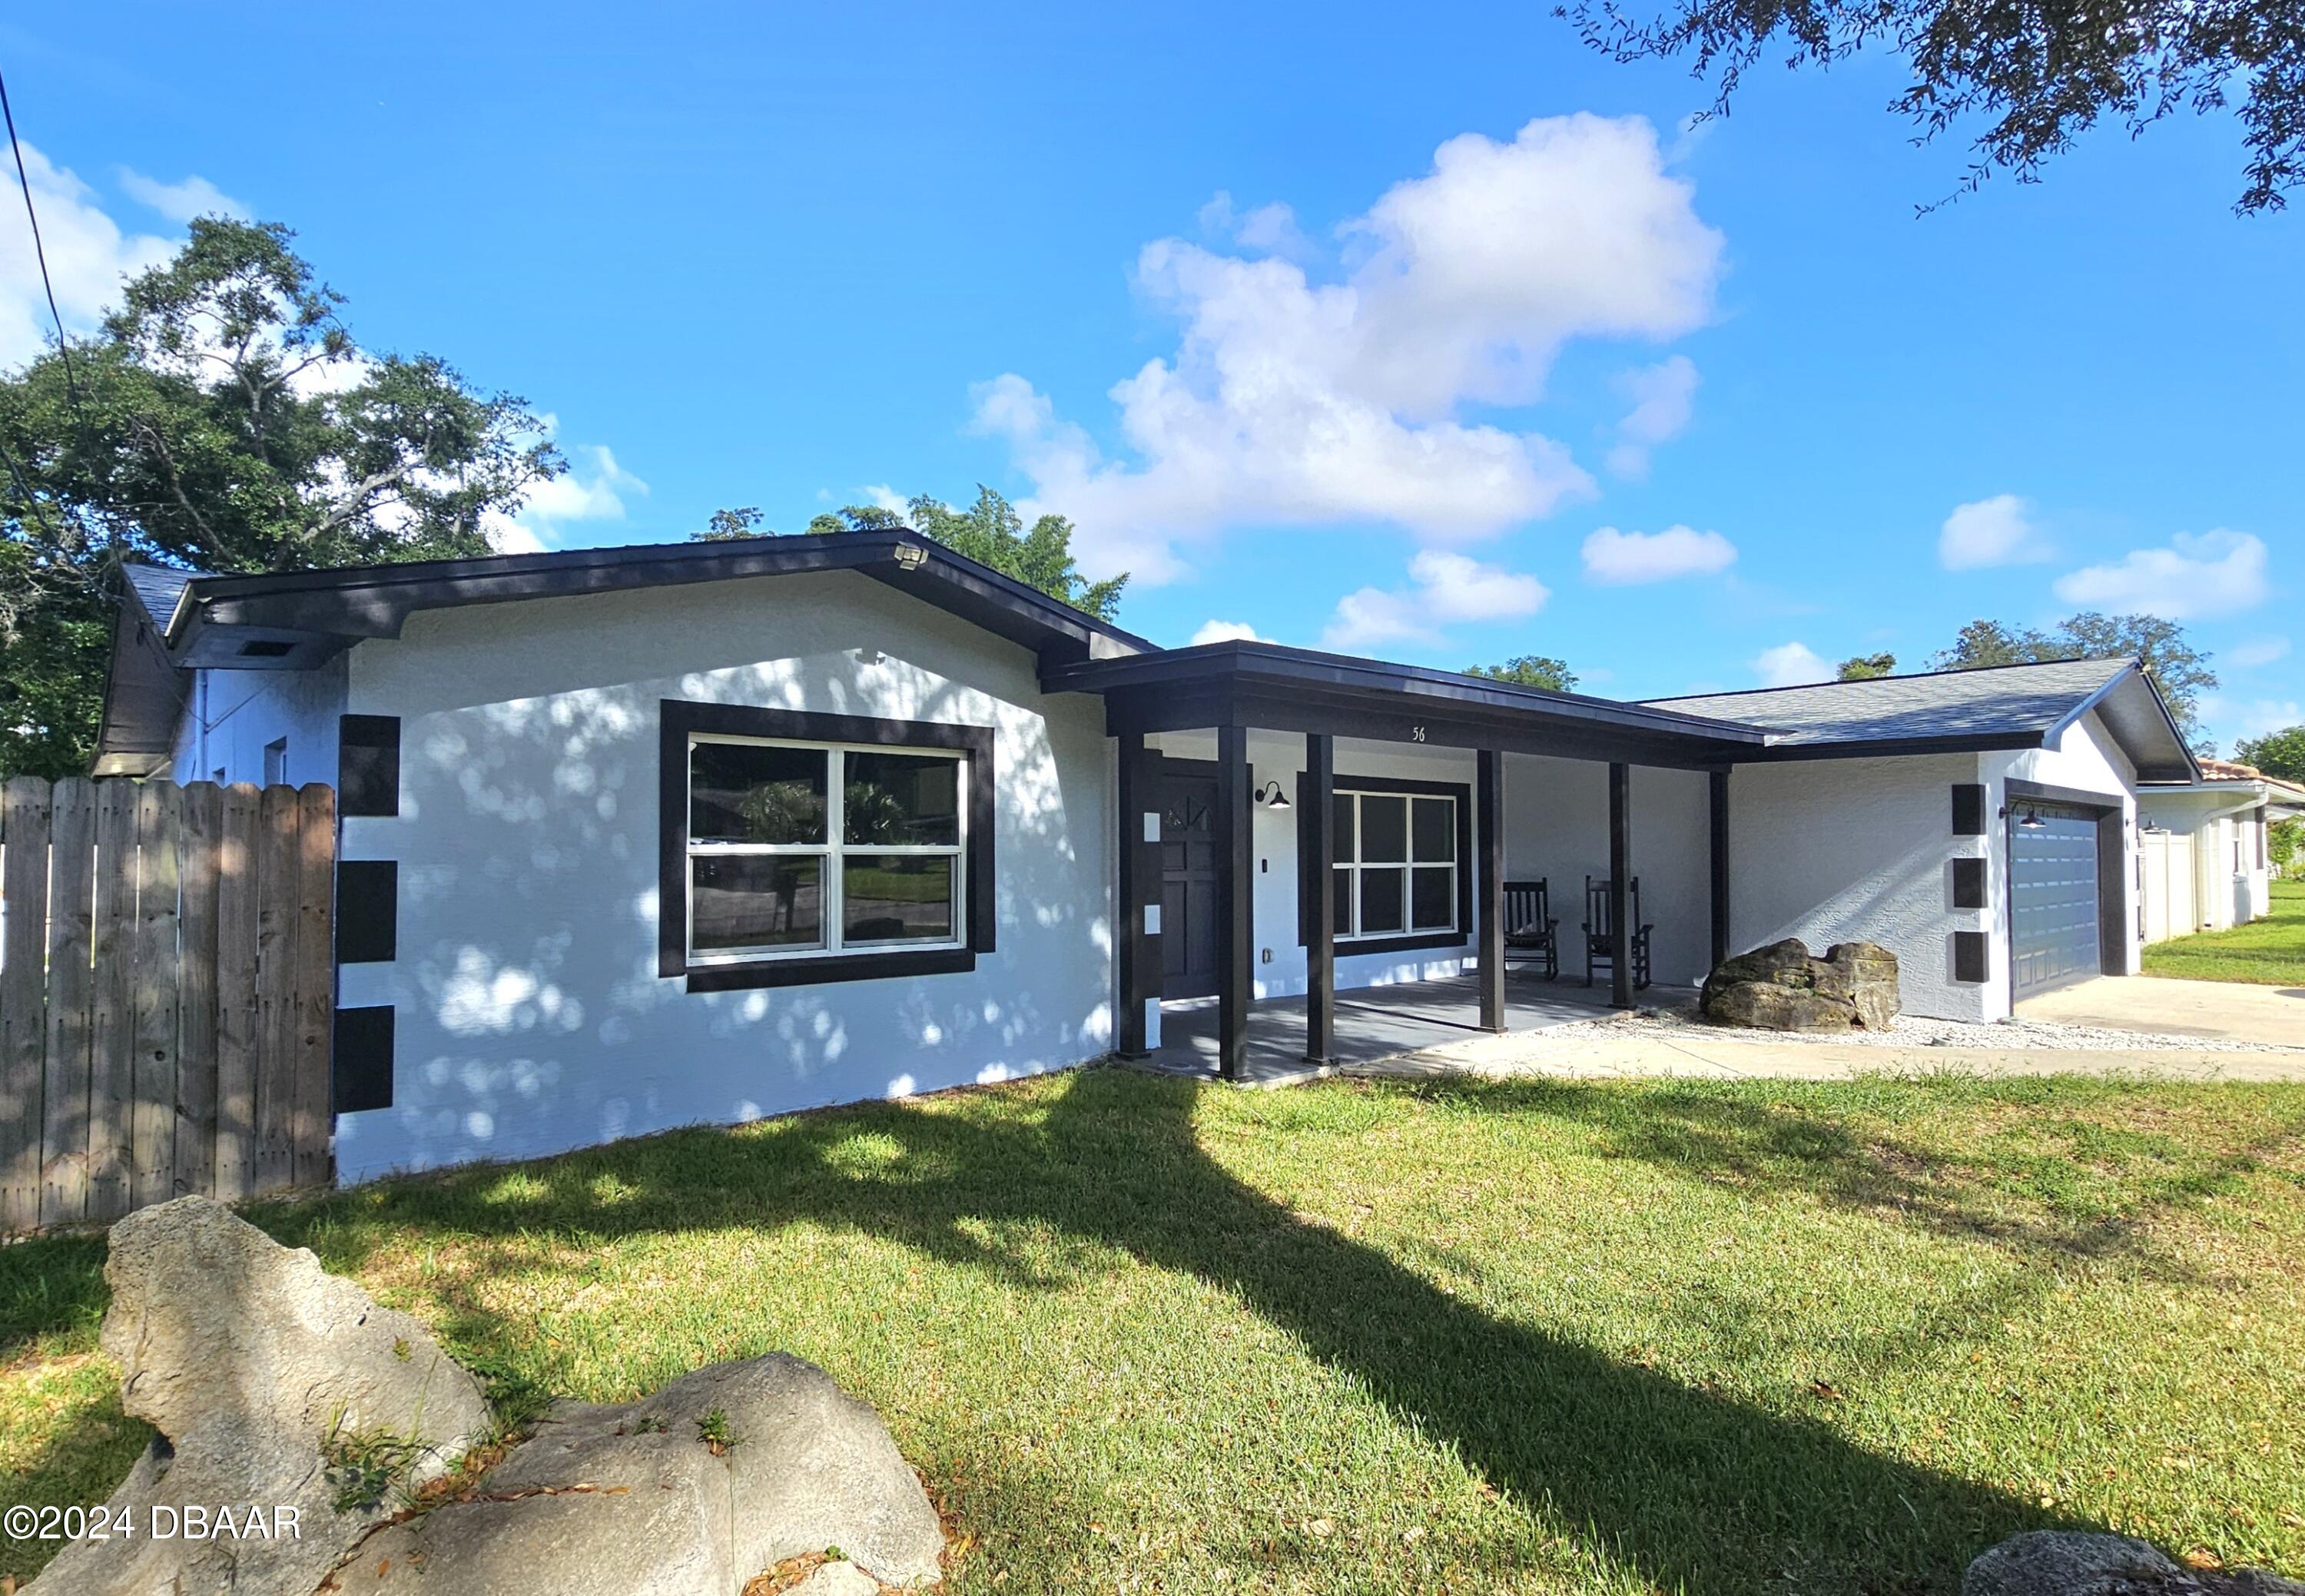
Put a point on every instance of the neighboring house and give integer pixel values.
(2204, 857)
(635, 838)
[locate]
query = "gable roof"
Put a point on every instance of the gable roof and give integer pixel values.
(2005, 706)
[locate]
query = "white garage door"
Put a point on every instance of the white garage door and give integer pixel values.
(2052, 888)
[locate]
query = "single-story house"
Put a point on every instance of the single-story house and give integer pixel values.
(2206, 862)
(639, 837)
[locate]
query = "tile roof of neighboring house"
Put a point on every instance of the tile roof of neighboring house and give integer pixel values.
(2005, 706)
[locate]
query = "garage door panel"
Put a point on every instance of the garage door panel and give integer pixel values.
(2053, 898)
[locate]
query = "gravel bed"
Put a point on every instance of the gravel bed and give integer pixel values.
(1911, 1030)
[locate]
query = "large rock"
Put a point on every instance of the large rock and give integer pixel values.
(1784, 988)
(249, 1358)
(645, 1499)
(2069, 1563)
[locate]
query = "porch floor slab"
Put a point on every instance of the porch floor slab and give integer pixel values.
(1374, 1023)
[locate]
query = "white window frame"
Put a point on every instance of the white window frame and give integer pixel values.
(831, 851)
(1354, 866)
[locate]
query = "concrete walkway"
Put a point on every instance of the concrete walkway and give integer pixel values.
(2233, 1009)
(1595, 1052)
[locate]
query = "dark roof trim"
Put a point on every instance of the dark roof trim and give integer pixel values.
(2096, 700)
(1231, 666)
(348, 604)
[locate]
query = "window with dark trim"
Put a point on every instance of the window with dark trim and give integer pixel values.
(803, 847)
(1402, 865)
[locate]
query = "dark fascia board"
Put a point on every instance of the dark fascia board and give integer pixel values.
(1881, 748)
(2135, 671)
(143, 697)
(349, 604)
(1239, 666)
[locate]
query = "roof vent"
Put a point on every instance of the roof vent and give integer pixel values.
(269, 648)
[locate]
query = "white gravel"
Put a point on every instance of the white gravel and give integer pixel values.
(1911, 1030)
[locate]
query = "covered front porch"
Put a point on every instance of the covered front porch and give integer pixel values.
(1318, 848)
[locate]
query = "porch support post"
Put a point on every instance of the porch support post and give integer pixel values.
(1718, 781)
(1489, 849)
(1316, 817)
(1620, 852)
(1236, 880)
(1139, 847)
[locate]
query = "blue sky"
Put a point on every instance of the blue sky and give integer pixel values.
(1427, 335)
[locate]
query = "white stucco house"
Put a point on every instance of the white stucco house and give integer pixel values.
(640, 837)
(2206, 862)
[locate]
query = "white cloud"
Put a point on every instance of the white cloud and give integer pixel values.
(593, 489)
(1227, 631)
(1663, 396)
(2257, 653)
(87, 253)
(1295, 401)
(1991, 532)
(2237, 718)
(881, 495)
(1789, 665)
(1622, 557)
(1449, 587)
(2199, 573)
(180, 202)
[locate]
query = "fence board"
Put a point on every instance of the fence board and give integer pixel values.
(23, 996)
(276, 863)
(112, 1016)
(167, 994)
(316, 978)
(71, 983)
(235, 1088)
(160, 876)
(196, 1013)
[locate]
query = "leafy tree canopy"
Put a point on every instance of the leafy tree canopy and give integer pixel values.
(1530, 671)
(989, 532)
(2280, 754)
(1865, 667)
(2178, 669)
(224, 418)
(2039, 76)
(2284, 839)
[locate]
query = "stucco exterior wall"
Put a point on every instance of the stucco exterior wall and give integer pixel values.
(1835, 850)
(1557, 828)
(231, 715)
(530, 1015)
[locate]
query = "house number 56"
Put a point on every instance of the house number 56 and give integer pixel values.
(1417, 734)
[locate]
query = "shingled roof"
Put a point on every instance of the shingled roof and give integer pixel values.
(2008, 707)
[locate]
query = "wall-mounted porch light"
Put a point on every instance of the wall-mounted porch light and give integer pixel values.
(1271, 796)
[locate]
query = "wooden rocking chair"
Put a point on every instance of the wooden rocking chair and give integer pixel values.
(1600, 938)
(1529, 927)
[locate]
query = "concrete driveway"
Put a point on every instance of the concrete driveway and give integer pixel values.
(2234, 1010)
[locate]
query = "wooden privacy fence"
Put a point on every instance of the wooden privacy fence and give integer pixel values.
(167, 994)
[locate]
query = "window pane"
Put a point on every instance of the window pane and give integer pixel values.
(1340, 807)
(894, 897)
(1433, 900)
(1342, 920)
(748, 900)
(1435, 827)
(1381, 894)
(894, 799)
(1384, 829)
(745, 792)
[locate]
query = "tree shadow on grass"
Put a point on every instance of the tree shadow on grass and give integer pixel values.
(1689, 1488)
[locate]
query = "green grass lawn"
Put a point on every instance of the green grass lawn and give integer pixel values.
(2270, 952)
(1527, 1336)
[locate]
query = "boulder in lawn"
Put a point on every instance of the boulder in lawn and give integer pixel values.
(2075, 1563)
(278, 1389)
(1784, 986)
(689, 1492)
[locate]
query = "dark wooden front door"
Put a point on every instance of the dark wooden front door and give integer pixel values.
(1188, 885)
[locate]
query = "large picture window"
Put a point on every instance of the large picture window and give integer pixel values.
(820, 846)
(1397, 865)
